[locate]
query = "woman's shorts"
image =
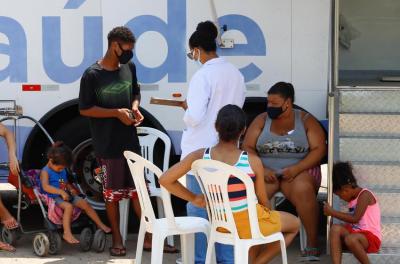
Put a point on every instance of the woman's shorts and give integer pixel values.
(269, 222)
(315, 172)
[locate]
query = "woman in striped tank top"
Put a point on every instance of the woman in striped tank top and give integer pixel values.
(230, 125)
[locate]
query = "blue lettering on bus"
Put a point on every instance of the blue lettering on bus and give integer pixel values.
(52, 59)
(255, 46)
(173, 30)
(74, 4)
(16, 50)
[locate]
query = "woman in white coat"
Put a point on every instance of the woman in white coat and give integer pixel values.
(216, 84)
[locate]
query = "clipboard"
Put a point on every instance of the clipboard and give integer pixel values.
(163, 101)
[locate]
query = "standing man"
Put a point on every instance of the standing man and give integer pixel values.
(110, 96)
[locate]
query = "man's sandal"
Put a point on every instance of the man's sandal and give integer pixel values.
(117, 252)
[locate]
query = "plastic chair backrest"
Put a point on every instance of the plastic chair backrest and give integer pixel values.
(213, 179)
(137, 166)
(148, 137)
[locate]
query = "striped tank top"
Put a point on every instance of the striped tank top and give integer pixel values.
(236, 188)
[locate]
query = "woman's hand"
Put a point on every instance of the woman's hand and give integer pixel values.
(199, 201)
(14, 165)
(184, 105)
(269, 176)
(290, 173)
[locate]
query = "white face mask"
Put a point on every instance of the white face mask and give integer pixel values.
(198, 61)
(191, 56)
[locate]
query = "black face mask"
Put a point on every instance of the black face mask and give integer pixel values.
(275, 112)
(125, 56)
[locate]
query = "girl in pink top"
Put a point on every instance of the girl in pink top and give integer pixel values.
(361, 233)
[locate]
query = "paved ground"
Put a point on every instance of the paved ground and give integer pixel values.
(72, 255)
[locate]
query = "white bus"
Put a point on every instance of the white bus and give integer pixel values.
(46, 45)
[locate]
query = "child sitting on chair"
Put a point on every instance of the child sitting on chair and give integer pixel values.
(361, 233)
(54, 183)
(230, 125)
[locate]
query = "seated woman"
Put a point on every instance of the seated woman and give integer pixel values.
(230, 125)
(291, 144)
(6, 218)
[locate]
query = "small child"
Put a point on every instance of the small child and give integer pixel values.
(54, 183)
(362, 232)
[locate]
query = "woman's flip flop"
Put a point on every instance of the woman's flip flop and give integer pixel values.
(6, 247)
(10, 223)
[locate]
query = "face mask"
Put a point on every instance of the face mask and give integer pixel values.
(275, 112)
(125, 56)
(191, 56)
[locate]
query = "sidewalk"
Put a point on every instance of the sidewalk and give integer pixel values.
(72, 255)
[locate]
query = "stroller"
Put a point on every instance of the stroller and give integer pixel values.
(48, 240)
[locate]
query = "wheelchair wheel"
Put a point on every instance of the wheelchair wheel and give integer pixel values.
(9, 236)
(86, 239)
(99, 241)
(41, 245)
(55, 243)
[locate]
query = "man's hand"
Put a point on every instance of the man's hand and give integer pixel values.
(269, 176)
(199, 201)
(14, 165)
(138, 117)
(328, 210)
(124, 115)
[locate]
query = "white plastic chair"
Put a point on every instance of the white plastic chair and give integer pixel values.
(161, 228)
(147, 139)
(213, 178)
(276, 200)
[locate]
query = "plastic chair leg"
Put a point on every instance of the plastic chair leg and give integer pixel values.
(283, 251)
(303, 238)
(123, 218)
(140, 242)
(157, 248)
(187, 246)
(210, 256)
(241, 253)
(273, 203)
(160, 210)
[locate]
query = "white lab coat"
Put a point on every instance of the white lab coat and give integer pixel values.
(216, 84)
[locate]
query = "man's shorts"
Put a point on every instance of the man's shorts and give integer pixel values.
(116, 180)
